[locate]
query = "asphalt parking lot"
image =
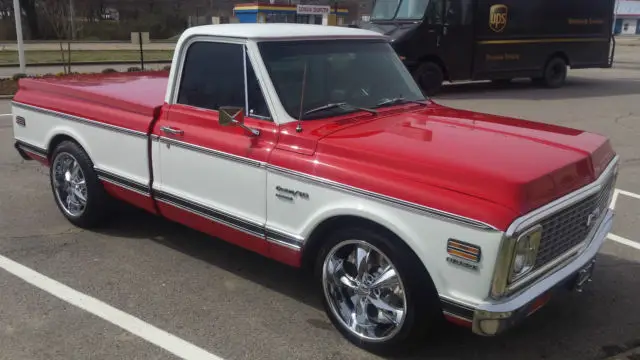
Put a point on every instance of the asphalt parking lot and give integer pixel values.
(214, 298)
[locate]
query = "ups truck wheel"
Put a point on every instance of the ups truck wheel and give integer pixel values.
(76, 188)
(555, 73)
(375, 291)
(429, 77)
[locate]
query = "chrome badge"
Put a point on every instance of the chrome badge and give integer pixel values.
(595, 214)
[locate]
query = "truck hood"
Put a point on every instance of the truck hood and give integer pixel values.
(515, 163)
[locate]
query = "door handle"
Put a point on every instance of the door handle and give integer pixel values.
(171, 130)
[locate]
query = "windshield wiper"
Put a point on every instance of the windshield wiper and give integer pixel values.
(338, 105)
(398, 100)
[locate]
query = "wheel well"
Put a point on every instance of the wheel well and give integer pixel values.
(559, 54)
(314, 242)
(437, 61)
(57, 140)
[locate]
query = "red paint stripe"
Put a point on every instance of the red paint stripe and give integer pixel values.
(458, 321)
(39, 158)
(285, 255)
(215, 229)
(253, 243)
(131, 197)
(259, 245)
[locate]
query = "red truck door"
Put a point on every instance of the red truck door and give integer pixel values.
(208, 176)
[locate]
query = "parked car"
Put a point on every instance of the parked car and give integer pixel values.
(314, 146)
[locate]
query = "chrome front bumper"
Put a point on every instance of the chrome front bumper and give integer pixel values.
(493, 318)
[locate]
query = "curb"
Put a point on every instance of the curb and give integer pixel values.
(630, 351)
(633, 354)
(81, 63)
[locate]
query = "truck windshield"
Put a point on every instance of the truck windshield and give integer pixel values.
(361, 73)
(399, 9)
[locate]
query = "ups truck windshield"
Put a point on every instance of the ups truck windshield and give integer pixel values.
(399, 9)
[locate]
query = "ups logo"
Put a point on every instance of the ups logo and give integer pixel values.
(498, 17)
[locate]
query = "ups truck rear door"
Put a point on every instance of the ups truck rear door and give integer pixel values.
(456, 39)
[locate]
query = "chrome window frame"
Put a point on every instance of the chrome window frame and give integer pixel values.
(500, 286)
(180, 59)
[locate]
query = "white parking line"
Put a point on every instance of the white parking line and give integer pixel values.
(96, 307)
(1, 115)
(628, 193)
(621, 240)
(612, 206)
(614, 198)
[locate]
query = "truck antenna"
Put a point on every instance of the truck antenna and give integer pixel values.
(304, 81)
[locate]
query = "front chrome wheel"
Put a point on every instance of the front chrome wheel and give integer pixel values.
(364, 290)
(69, 184)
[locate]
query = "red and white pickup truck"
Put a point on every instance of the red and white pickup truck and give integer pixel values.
(314, 146)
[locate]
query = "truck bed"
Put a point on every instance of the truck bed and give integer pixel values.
(127, 100)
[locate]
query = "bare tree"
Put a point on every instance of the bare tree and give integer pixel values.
(58, 13)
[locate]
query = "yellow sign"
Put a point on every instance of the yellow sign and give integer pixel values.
(498, 15)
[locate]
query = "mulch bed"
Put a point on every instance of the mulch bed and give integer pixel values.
(8, 86)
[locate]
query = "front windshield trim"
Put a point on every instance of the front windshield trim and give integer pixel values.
(289, 112)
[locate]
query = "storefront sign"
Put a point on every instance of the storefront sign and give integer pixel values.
(313, 9)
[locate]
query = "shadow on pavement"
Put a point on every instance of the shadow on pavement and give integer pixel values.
(580, 326)
(576, 87)
(135, 223)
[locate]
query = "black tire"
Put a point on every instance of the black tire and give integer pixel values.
(554, 73)
(98, 203)
(423, 309)
(429, 77)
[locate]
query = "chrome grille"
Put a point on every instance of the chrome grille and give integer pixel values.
(568, 228)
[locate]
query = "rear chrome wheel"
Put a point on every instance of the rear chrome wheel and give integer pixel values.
(70, 186)
(364, 290)
(77, 190)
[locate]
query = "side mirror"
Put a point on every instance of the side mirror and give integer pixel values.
(231, 115)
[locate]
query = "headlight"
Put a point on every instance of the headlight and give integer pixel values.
(525, 253)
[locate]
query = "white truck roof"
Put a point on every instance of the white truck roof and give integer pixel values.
(278, 31)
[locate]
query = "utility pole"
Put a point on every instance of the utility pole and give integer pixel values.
(72, 19)
(17, 14)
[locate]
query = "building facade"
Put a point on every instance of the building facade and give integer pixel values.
(284, 13)
(627, 18)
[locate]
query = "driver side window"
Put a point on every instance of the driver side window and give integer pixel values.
(214, 76)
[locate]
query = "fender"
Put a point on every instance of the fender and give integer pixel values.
(68, 131)
(426, 236)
